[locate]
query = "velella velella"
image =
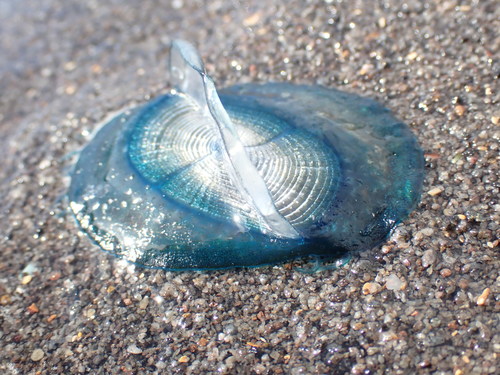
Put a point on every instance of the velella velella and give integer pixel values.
(255, 174)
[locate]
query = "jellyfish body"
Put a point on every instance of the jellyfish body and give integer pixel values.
(258, 174)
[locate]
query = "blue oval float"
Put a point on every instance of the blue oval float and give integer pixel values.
(258, 174)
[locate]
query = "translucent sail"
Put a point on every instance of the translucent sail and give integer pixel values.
(189, 77)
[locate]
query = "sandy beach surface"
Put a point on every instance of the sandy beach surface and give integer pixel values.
(427, 301)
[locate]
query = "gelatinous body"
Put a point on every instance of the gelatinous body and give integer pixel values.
(258, 174)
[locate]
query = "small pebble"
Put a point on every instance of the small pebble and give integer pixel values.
(5, 300)
(133, 349)
(412, 56)
(33, 309)
(432, 155)
(69, 66)
(160, 365)
(493, 244)
(460, 110)
(358, 369)
(357, 326)
(429, 258)
(445, 272)
(252, 20)
(26, 279)
(394, 283)
(144, 303)
(481, 300)
(427, 232)
(55, 276)
(37, 355)
(366, 69)
(70, 89)
(435, 191)
(388, 336)
(371, 288)
(463, 284)
(184, 359)
(96, 69)
(51, 318)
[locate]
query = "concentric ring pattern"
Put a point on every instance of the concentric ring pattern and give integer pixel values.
(178, 151)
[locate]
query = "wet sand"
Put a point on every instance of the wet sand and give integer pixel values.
(425, 302)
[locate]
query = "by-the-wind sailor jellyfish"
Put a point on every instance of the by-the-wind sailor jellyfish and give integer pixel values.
(256, 174)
